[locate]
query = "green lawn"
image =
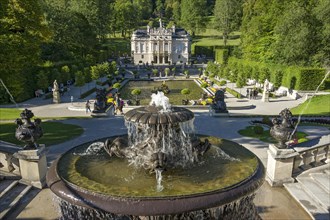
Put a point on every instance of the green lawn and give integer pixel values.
(265, 136)
(214, 41)
(54, 133)
(175, 87)
(118, 45)
(9, 113)
(318, 105)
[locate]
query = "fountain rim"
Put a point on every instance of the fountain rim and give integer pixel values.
(152, 205)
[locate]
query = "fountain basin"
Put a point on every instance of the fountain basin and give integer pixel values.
(214, 182)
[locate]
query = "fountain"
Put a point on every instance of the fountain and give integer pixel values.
(160, 170)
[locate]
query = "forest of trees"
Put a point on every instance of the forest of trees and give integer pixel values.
(36, 34)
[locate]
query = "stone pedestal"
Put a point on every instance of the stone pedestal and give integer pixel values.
(280, 165)
(33, 166)
(265, 96)
(56, 97)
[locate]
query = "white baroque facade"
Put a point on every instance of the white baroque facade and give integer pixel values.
(160, 46)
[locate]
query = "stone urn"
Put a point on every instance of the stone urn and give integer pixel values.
(283, 128)
(27, 131)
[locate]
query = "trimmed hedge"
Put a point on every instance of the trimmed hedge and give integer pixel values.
(87, 93)
(311, 78)
(205, 50)
(294, 77)
(234, 93)
(221, 56)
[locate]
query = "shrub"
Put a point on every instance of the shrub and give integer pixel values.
(136, 93)
(258, 129)
(204, 85)
(185, 92)
(234, 93)
(266, 120)
(223, 82)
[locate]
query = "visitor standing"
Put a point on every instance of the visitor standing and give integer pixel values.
(121, 105)
(247, 93)
(255, 93)
(88, 106)
(117, 103)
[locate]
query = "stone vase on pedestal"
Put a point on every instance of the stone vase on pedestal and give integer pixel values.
(33, 166)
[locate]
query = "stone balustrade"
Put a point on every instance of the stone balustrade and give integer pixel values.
(8, 163)
(30, 165)
(311, 153)
(284, 164)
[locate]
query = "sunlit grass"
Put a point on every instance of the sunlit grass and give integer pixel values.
(54, 133)
(9, 113)
(265, 136)
(318, 105)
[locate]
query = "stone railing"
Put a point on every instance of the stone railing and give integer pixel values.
(8, 162)
(311, 153)
(284, 164)
(29, 165)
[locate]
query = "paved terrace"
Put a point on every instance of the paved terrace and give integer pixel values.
(273, 203)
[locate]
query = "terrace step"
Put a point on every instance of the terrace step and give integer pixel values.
(323, 180)
(14, 197)
(298, 192)
(312, 192)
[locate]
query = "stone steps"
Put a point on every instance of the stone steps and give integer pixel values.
(312, 192)
(14, 197)
(315, 191)
(323, 180)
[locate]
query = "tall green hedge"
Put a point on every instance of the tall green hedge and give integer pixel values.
(294, 77)
(221, 55)
(204, 50)
(311, 78)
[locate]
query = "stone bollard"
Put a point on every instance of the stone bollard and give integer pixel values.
(33, 166)
(280, 165)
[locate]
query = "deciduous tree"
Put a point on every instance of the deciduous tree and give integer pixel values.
(227, 16)
(193, 15)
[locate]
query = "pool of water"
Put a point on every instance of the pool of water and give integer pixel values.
(113, 176)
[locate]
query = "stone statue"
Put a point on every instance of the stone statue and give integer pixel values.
(116, 147)
(283, 128)
(27, 131)
(100, 102)
(56, 93)
(266, 85)
(219, 105)
(199, 147)
(265, 93)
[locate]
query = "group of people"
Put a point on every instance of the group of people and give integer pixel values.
(252, 93)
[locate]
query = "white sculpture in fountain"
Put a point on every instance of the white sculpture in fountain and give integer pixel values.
(160, 100)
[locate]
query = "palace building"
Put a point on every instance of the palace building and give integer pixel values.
(160, 46)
